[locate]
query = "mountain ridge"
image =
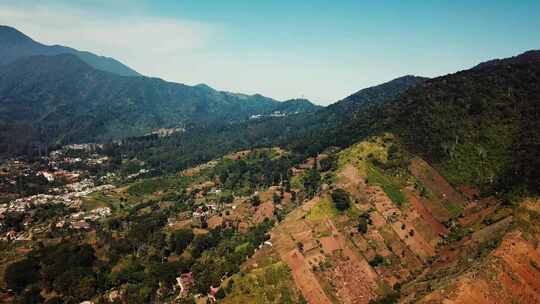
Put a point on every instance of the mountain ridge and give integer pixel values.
(14, 45)
(61, 92)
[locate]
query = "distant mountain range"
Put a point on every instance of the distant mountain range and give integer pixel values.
(51, 95)
(15, 45)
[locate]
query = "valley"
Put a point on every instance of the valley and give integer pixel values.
(116, 187)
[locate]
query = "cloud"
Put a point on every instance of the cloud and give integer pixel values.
(146, 43)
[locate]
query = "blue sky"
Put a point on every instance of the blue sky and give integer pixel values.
(322, 50)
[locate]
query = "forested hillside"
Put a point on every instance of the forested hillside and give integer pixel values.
(306, 133)
(60, 99)
(480, 126)
(477, 126)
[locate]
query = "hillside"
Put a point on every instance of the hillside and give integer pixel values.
(377, 94)
(15, 45)
(479, 126)
(413, 191)
(306, 133)
(61, 99)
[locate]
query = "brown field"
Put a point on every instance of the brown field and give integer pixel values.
(286, 246)
(265, 210)
(426, 216)
(329, 258)
(508, 276)
(435, 182)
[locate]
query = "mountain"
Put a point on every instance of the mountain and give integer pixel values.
(62, 99)
(15, 45)
(376, 94)
(531, 56)
(296, 106)
(479, 126)
(348, 120)
(306, 133)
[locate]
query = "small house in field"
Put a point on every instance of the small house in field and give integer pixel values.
(185, 283)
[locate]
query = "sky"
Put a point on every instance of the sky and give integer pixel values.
(320, 50)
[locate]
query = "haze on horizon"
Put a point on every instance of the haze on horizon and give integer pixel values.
(319, 50)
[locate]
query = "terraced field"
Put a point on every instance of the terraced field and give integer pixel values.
(432, 246)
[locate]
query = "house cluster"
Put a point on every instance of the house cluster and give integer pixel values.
(61, 157)
(59, 174)
(88, 147)
(273, 114)
(185, 282)
(11, 170)
(30, 202)
(164, 132)
(137, 174)
(82, 220)
(70, 198)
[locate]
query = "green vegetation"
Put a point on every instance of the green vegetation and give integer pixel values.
(477, 126)
(375, 176)
(454, 209)
(260, 169)
(311, 182)
(149, 186)
(341, 199)
(325, 208)
(376, 261)
(180, 240)
(390, 298)
(74, 272)
(100, 106)
(269, 284)
(363, 221)
(65, 268)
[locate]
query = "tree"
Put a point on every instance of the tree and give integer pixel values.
(255, 200)
(328, 163)
(226, 198)
(377, 260)
(180, 240)
(312, 181)
(341, 199)
(362, 225)
(363, 221)
(32, 296)
(20, 274)
(220, 294)
(276, 198)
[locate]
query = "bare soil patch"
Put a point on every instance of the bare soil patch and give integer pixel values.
(435, 182)
(265, 210)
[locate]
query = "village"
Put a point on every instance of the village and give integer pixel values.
(62, 178)
(74, 200)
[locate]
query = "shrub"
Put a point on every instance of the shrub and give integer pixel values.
(362, 225)
(341, 199)
(255, 200)
(20, 274)
(377, 260)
